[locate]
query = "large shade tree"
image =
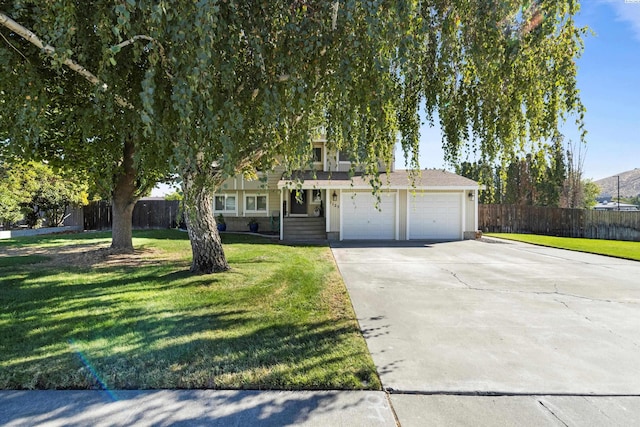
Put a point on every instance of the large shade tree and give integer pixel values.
(233, 86)
(57, 107)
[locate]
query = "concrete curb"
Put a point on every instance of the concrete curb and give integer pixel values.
(9, 234)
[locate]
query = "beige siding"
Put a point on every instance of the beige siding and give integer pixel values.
(238, 182)
(274, 176)
(402, 215)
(470, 212)
(229, 184)
(256, 185)
(334, 214)
(334, 165)
(274, 202)
(240, 202)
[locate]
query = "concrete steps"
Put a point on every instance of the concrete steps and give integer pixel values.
(304, 228)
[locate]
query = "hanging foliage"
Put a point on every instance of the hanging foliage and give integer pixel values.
(226, 87)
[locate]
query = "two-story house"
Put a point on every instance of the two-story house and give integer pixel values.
(329, 204)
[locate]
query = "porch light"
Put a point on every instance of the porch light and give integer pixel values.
(471, 196)
(334, 196)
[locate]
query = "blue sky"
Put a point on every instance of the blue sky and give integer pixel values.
(609, 82)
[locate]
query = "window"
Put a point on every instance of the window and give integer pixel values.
(343, 157)
(317, 154)
(316, 197)
(224, 203)
(255, 203)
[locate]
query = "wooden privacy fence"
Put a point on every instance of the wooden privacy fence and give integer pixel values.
(613, 225)
(146, 214)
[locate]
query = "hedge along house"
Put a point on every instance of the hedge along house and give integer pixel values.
(327, 203)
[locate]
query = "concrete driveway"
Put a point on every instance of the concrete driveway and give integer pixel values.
(497, 318)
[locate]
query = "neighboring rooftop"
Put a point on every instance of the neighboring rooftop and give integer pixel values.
(613, 206)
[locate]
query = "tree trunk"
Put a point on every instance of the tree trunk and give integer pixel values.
(206, 247)
(124, 200)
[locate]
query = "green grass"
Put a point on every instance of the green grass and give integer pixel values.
(280, 319)
(8, 261)
(615, 248)
(56, 240)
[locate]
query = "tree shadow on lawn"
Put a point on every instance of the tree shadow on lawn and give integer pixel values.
(89, 335)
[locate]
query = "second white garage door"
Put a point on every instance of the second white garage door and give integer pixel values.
(435, 216)
(361, 220)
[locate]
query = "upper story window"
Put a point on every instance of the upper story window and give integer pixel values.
(317, 154)
(255, 203)
(343, 157)
(225, 203)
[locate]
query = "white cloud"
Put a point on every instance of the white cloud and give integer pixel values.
(628, 11)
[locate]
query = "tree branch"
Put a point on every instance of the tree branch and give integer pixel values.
(163, 57)
(334, 16)
(32, 38)
(14, 48)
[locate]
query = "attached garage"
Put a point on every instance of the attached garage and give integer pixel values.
(435, 216)
(362, 221)
(432, 205)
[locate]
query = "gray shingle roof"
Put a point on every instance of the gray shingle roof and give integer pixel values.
(426, 179)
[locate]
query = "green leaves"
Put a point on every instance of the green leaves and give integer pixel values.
(27, 189)
(250, 81)
(123, 15)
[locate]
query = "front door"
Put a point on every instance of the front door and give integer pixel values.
(298, 205)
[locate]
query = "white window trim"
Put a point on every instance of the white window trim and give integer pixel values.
(225, 211)
(312, 200)
(256, 195)
(343, 162)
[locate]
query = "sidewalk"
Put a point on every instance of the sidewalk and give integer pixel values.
(195, 408)
(308, 408)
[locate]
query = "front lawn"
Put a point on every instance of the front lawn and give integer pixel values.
(615, 248)
(74, 316)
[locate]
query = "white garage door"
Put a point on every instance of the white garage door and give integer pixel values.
(435, 216)
(361, 219)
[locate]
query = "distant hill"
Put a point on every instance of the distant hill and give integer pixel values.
(629, 184)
